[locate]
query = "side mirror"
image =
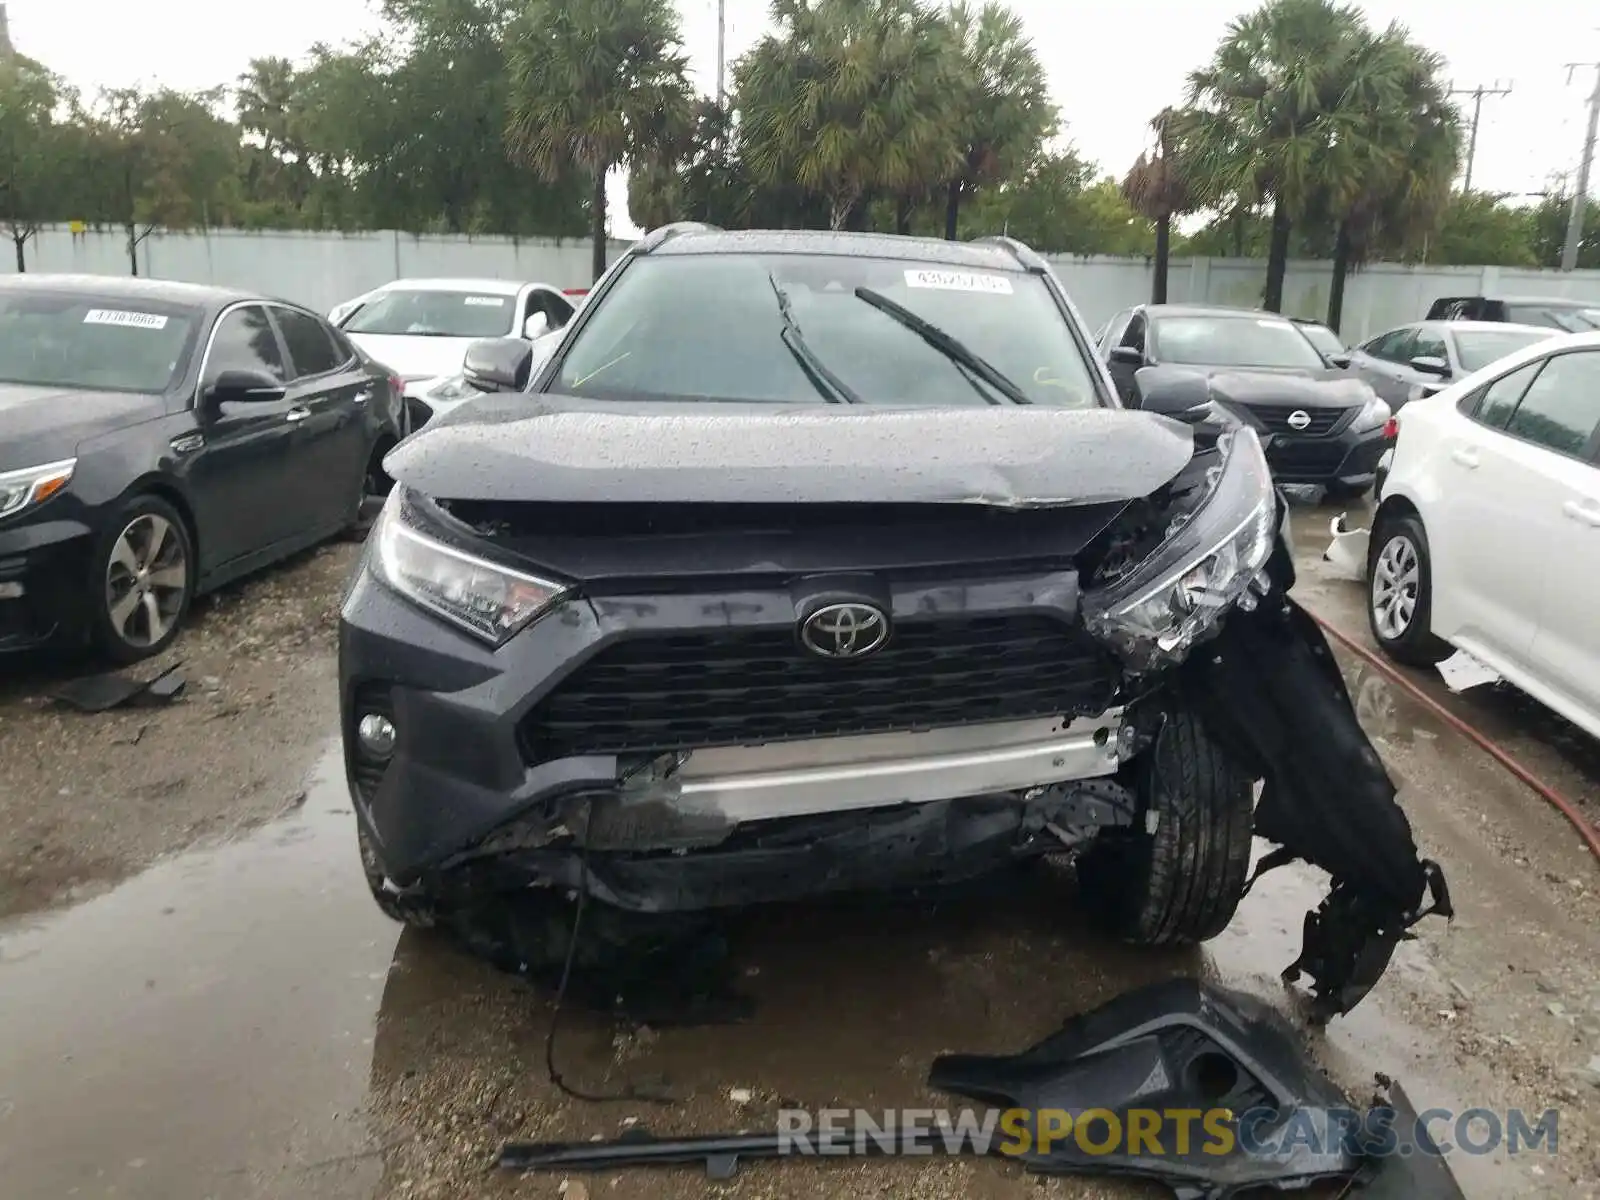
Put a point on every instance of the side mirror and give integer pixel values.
(1342, 360)
(1182, 395)
(236, 386)
(536, 326)
(1126, 356)
(1430, 364)
(498, 364)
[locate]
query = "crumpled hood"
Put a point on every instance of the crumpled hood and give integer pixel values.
(46, 424)
(549, 449)
(1331, 388)
(415, 357)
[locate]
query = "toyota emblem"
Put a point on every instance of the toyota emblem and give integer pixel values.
(1299, 419)
(845, 630)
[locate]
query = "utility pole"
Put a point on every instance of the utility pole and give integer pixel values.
(1580, 194)
(722, 48)
(1477, 94)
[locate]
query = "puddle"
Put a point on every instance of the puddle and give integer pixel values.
(204, 1029)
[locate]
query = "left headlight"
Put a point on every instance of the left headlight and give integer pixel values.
(1374, 414)
(33, 485)
(490, 601)
(1152, 616)
(454, 388)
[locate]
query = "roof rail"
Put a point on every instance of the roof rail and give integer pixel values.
(655, 237)
(1021, 251)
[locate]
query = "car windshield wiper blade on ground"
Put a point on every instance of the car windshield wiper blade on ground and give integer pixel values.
(945, 344)
(833, 389)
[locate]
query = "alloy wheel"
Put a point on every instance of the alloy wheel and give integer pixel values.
(147, 581)
(1396, 581)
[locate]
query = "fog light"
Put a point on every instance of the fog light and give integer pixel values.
(376, 733)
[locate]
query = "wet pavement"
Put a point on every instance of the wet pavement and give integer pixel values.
(239, 1021)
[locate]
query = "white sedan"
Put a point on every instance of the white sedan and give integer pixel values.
(1487, 537)
(421, 328)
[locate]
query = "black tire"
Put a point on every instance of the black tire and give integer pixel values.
(113, 580)
(1182, 883)
(407, 908)
(1402, 537)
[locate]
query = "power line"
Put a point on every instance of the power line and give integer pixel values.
(1580, 194)
(1477, 94)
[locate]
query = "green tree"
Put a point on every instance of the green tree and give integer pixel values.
(31, 146)
(850, 100)
(1001, 106)
(596, 84)
(1157, 189)
(1265, 112)
(1478, 229)
(1550, 232)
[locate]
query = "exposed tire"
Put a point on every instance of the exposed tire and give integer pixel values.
(142, 582)
(1400, 592)
(407, 908)
(1182, 883)
(375, 488)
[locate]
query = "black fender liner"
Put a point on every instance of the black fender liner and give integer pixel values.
(1271, 692)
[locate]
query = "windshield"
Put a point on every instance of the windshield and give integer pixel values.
(1324, 339)
(419, 312)
(692, 327)
(1243, 341)
(1572, 318)
(1478, 349)
(94, 343)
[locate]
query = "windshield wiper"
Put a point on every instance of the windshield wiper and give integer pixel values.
(945, 344)
(829, 386)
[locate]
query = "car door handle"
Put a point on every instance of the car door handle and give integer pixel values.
(1579, 511)
(298, 413)
(1467, 458)
(361, 397)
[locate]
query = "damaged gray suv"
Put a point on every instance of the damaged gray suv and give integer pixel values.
(820, 562)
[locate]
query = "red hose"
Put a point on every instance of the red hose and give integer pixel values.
(1570, 811)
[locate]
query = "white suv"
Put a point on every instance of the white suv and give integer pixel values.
(1487, 538)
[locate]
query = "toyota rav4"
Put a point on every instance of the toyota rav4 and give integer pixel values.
(819, 562)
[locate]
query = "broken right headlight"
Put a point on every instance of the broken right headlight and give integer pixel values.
(1152, 615)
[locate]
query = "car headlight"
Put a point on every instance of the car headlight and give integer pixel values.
(1151, 616)
(33, 485)
(490, 601)
(1374, 414)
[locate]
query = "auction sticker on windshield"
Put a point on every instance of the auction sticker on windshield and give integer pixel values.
(958, 281)
(128, 320)
(487, 301)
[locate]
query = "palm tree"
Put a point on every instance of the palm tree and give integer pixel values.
(1266, 111)
(1389, 174)
(848, 99)
(596, 84)
(1003, 111)
(1156, 188)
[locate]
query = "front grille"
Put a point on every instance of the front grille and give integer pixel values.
(1275, 418)
(688, 691)
(1305, 458)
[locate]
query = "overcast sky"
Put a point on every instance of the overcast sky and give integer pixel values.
(1111, 67)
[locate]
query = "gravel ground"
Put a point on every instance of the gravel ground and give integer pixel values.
(238, 1021)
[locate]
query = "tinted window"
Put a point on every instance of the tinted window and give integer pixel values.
(1477, 349)
(419, 312)
(245, 341)
(709, 327)
(1497, 401)
(310, 348)
(1428, 344)
(1246, 341)
(1572, 318)
(1562, 406)
(551, 305)
(1394, 346)
(1133, 337)
(93, 342)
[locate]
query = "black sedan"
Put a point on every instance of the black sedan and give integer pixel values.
(1319, 425)
(160, 439)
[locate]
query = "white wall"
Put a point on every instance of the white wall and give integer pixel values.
(321, 269)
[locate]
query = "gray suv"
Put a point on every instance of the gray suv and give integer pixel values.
(813, 562)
